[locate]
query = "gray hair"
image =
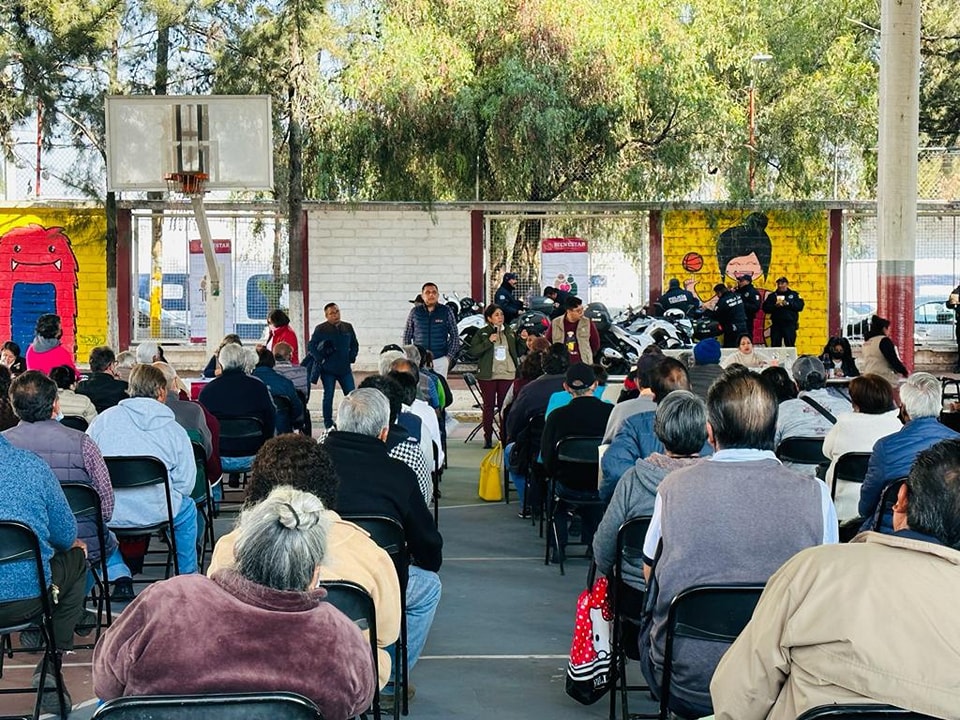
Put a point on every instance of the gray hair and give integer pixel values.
(282, 540)
(412, 354)
(232, 357)
(365, 411)
(681, 422)
(169, 374)
(250, 359)
(126, 359)
(147, 351)
(386, 360)
(920, 395)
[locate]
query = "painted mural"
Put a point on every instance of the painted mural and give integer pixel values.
(703, 248)
(53, 261)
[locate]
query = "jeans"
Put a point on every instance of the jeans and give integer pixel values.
(519, 481)
(423, 596)
(116, 567)
(185, 532)
(237, 464)
(329, 382)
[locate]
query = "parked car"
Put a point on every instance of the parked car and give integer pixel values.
(934, 322)
(171, 328)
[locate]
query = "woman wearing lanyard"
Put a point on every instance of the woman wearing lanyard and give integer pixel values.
(495, 347)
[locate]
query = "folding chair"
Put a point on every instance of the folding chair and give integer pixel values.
(851, 467)
(130, 474)
(802, 450)
(436, 474)
(471, 380)
(240, 706)
(284, 416)
(861, 712)
(76, 422)
(203, 496)
(245, 434)
(355, 602)
(630, 539)
(85, 505)
(388, 534)
(18, 543)
(579, 451)
(713, 613)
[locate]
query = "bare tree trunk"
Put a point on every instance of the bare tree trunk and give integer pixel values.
(156, 220)
(295, 191)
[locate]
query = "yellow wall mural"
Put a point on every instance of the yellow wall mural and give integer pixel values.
(54, 261)
(766, 245)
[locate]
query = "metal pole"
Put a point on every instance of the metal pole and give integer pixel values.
(215, 299)
(897, 168)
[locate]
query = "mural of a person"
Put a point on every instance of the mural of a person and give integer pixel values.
(38, 276)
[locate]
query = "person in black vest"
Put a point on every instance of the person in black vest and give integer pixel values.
(731, 315)
(784, 307)
(751, 304)
(676, 298)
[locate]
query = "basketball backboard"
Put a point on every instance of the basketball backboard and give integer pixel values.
(227, 137)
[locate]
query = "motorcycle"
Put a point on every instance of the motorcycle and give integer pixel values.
(462, 307)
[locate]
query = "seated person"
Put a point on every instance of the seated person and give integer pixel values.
(213, 367)
(706, 367)
(158, 646)
(893, 455)
(46, 351)
(8, 418)
(72, 404)
(420, 408)
(31, 494)
(814, 411)
(149, 352)
(681, 425)
(297, 374)
(103, 386)
(734, 518)
(279, 386)
(235, 394)
(11, 357)
(780, 382)
(143, 425)
(837, 358)
(196, 420)
(641, 402)
(808, 644)
(563, 397)
(746, 355)
(874, 416)
(299, 462)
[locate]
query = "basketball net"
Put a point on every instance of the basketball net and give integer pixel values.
(188, 184)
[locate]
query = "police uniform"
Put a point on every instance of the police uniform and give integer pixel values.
(751, 304)
(676, 298)
(784, 317)
(732, 318)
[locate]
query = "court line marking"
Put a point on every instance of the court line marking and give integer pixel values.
(494, 657)
(483, 504)
(487, 559)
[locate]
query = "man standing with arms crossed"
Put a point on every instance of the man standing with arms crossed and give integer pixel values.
(334, 348)
(433, 326)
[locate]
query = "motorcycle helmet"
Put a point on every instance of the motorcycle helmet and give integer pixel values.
(535, 323)
(599, 314)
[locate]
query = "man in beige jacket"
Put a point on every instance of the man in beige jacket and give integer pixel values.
(871, 621)
(298, 461)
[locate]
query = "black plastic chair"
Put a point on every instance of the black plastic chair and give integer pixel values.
(204, 502)
(630, 539)
(802, 450)
(436, 475)
(851, 467)
(246, 433)
(581, 452)
(77, 422)
(861, 712)
(388, 533)
(130, 474)
(240, 706)
(85, 503)
(18, 543)
(471, 380)
(355, 602)
(713, 613)
(284, 419)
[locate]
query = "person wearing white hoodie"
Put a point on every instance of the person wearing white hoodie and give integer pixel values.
(143, 425)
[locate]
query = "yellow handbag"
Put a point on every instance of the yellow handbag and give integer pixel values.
(491, 475)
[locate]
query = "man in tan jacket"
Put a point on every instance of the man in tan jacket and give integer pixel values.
(871, 621)
(298, 461)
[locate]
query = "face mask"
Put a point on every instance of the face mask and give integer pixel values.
(836, 354)
(59, 417)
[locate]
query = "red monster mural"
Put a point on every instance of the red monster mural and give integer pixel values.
(38, 275)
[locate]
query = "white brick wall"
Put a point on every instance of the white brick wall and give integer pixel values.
(372, 262)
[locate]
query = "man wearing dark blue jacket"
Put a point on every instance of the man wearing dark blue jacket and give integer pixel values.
(434, 326)
(504, 297)
(333, 347)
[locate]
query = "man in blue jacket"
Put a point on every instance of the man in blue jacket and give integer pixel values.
(334, 349)
(433, 326)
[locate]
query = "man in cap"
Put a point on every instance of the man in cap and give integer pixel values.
(784, 307)
(729, 312)
(751, 304)
(706, 356)
(504, 297)
(676, 298)
(584, 415)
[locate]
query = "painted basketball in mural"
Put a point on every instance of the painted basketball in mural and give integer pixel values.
(692, 262)
(38, 275)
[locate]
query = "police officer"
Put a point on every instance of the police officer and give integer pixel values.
(504, 297)
(751, 302)
(676, 298)
(784, 307)
(730, 314)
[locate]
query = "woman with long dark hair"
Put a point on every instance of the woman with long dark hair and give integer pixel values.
(495, 347)
(879, 354)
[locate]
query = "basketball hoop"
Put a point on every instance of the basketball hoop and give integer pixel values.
(189, 184)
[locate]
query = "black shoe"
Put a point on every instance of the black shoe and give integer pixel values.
(122, 590)
(233, 480)
(49, 703)
(87, 623)
(31, 640)
(524, 514)
(487, 444)
(556, 556)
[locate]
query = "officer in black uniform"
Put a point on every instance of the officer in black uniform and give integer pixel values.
(504, 297)
(730, 314)
(784, 307)
(751, 302)
(559, 298)
(676, 298)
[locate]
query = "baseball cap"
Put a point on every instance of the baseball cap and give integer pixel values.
(745, 276)
(674, 283)
(782, 278)
(510, 276)
(807, 365)
(580, 376)
(707, 351)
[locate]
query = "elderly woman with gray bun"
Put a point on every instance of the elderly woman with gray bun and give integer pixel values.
(166, 641)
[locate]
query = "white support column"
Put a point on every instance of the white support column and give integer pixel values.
(897, 167)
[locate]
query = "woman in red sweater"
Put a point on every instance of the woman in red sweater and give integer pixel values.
(280, 331)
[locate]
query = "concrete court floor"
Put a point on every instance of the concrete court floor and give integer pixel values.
(499, 643)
